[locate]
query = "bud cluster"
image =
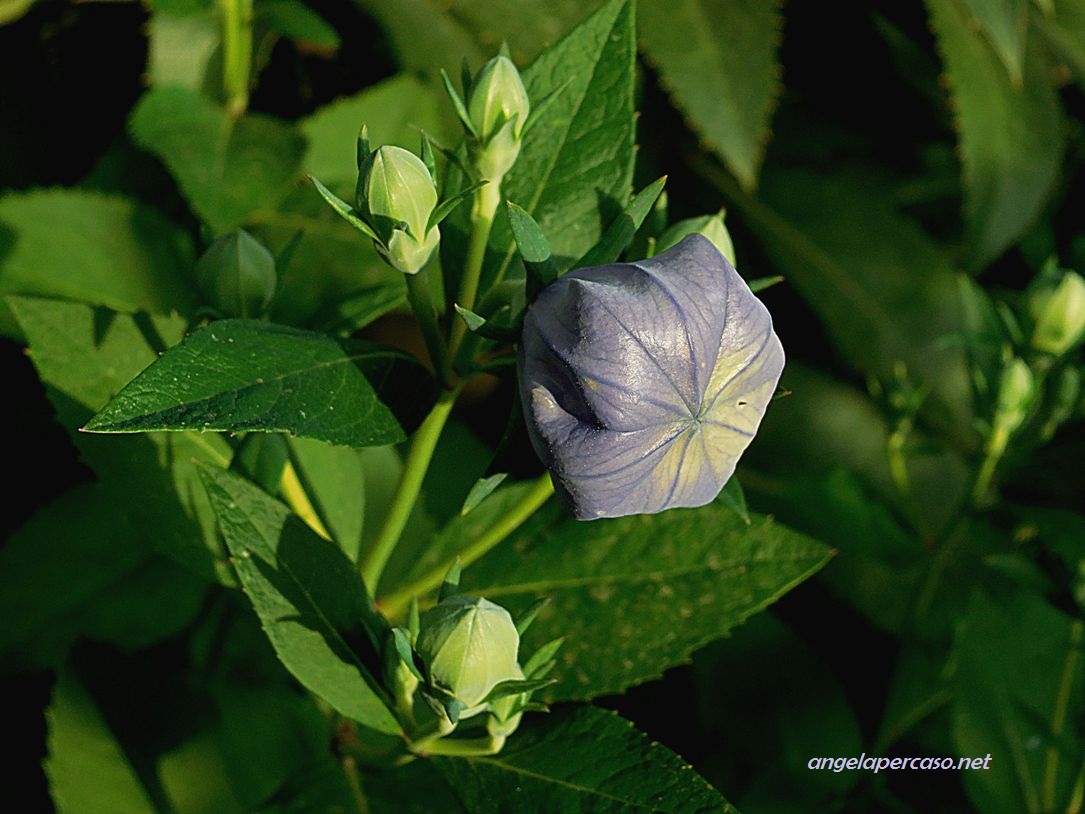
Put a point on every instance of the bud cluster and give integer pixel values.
(459, 662)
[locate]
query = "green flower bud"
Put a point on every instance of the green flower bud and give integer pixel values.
(237, 275)
(396, 196)
(711, 226)
(1058, 313)
(1016, 392)
(468, 645)
(498, 108)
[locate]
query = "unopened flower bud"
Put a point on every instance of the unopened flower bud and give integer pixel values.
(642, 383)
(396, 196)
(711, 226)
(1058, 313)
(237, 275)
(468, 645)
(498, 108)
(1016, 392)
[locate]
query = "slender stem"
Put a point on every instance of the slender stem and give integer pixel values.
(297, 499)
(467, 747)
(996, 446)
(425, 314)
(410, 483)
(1058, 717)
(396, 602)
(236, 53)
(350, 769)
(486, 200)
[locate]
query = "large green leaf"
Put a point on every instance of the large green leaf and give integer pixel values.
(1020, 697)
(1005, 24)
(227, 168)
(1010, 136)
(1063, 25)
(718, 62)
(101, 249)
(85, 356)
(574, 172)
(79, 567)
(884, 291)
(271, 378)
(580, 759)
(678, 579)
(309, 597)
(87, 768)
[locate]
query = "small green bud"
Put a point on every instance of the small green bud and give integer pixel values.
(396, 196)
(468, 645)
(1016, 392)
(237, 275)
(1064, 401)
(498, 108)
(1058, 313)
(711, 226)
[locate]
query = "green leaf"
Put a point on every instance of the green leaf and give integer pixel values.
(575, 167)
(394, 111)
(1005, 24)
(334, 482)
(1019, 689)
(678, 579)
(84, 356)
(534, 249)
(883, 289)
(482, 489)
(102, 249)
(12, 10)
(88, 770)
(621, 231)
(228, 169)
(182, 48)
(273, 379)
(343, 209)
(78, 567)
(1010, 136)
(580, 759)
(718, 62)
(297, 21)
(733, 497)
(1064, 29)
(309, 597)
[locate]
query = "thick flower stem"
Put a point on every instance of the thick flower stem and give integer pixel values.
(542, 489)
(425, 314)
(410, 483)
(483, 209)
(236, 53)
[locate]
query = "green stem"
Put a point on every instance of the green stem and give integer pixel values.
(996, 446)
(236, 53)
(410, 483)
(486, 200)
(350, 769)
(396, 602)
(467, 747)
(1058, 717)
(425, 314)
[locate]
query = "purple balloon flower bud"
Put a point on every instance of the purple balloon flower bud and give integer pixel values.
(642, 383)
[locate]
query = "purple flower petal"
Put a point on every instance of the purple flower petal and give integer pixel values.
(643, 383)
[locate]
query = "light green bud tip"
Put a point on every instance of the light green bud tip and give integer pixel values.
(1059, 315)
(711, 226)
(395, 190)
(1016, 390)
(469, 645)
(237, 275)
(498, 108)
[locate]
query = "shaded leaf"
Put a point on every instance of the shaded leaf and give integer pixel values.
(101, 249)
(334, 482)
(679, 579)
(228, 169)
(580, 759)
(718, 62)
(87, 768)
(309, 597)
(1010, 137)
